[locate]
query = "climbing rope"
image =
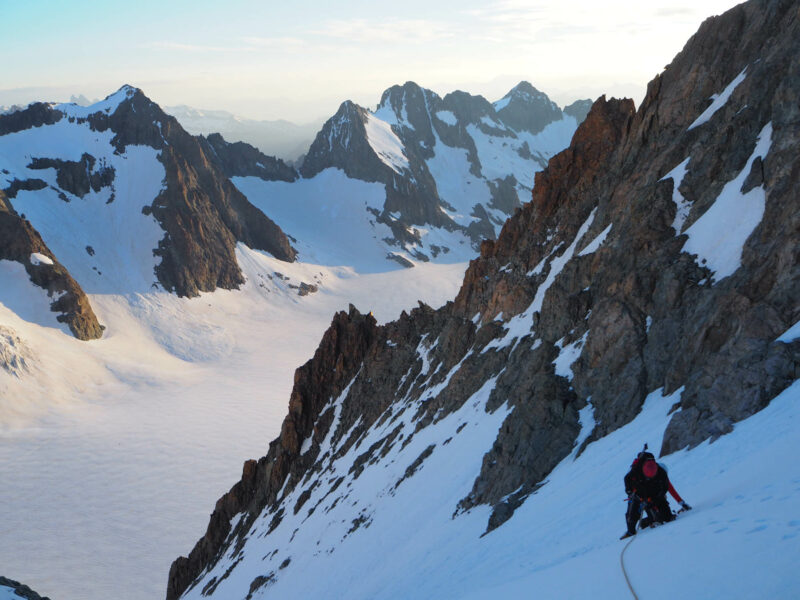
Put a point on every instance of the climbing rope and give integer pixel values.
(624, 572)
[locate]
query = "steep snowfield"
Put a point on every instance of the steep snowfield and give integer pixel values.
(718, 237)
(500, 155)
(385, 143)
(455, 183)
(103, 239)
(739, 541)
(102, 442)
(331, 219)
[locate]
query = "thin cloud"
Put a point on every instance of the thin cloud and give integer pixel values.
(396, 31)
(275, 42)
(189, 48)
(506, 11)
(529, 22)
(247, 44)
(676, 11)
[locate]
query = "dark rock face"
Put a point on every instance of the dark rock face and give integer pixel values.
(342, 143)
(416, 115)
(77, 177)
(23, 591)
(18, 241)
(334, 363)
(202, 213)
(241, 160)
(593, 262)
(35, 115)
(29, 185)
(579, 109)
(527, 109)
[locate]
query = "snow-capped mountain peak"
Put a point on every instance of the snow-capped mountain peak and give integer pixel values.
(452, 169)
(524, 108)
(106, 189)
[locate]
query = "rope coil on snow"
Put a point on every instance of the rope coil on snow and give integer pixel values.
(624, 572)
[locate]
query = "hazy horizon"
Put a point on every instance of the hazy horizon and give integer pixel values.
(270, 62)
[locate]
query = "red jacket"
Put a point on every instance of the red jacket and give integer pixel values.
(659, 485)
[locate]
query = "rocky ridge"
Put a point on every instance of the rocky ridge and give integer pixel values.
(19, 590)
(202, 214)
(283, 139)
(19, 242)
(600, 292)
(421, 146)
(201, 211)
(239, 159)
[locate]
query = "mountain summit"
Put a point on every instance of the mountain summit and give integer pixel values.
(117, 197)
(525, 108)
(648, 291)
(452, 169)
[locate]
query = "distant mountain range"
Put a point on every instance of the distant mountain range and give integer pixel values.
(280, 138)
(117, 197)
(428, 177)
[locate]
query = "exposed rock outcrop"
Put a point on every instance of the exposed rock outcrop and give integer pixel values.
(417, 144)
(202, 213)
(18, 242)
(19, 589)
(334, 364)
(77, 177)
(34, 115)
(239, 159)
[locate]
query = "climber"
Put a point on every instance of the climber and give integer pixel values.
(646, 485)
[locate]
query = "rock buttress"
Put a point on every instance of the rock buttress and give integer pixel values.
(18, 241)
(317, 383)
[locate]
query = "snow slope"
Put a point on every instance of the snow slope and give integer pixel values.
(103, 239)
(332, 219)
(101, 441)
(385, 143)
(452, 176)
(719, 235)
(739, 541)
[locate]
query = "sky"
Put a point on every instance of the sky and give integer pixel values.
(299, 60)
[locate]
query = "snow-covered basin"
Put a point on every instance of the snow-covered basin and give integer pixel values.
(119, 448)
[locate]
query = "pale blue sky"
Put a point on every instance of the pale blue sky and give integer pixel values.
(298, 60)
